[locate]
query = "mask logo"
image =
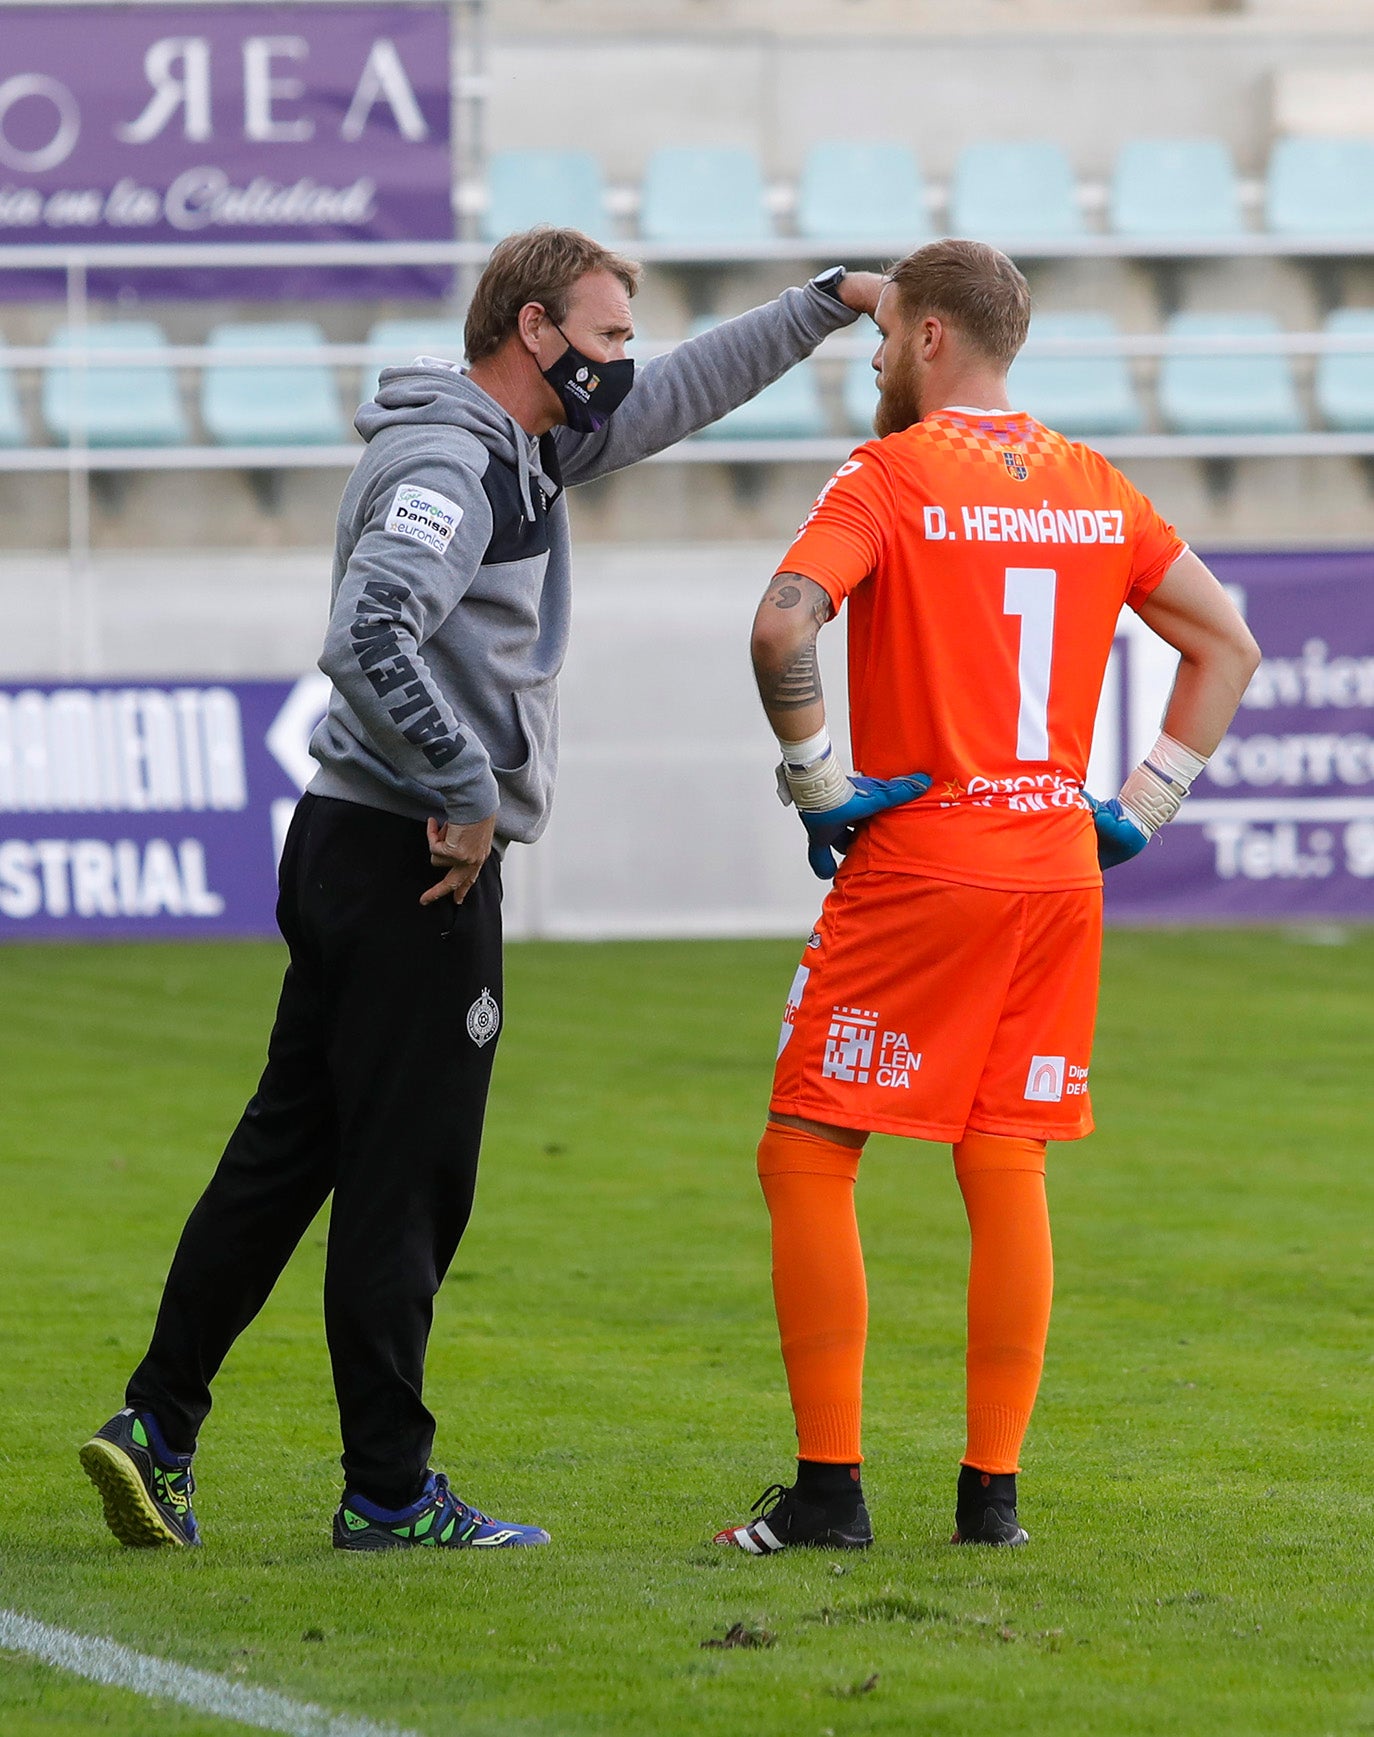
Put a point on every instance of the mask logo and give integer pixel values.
(588, 395)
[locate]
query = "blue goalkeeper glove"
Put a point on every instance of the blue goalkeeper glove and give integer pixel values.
(1118, 836)
(832, 830)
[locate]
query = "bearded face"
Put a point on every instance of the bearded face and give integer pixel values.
(899, 403)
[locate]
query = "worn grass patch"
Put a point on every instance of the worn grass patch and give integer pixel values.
(1198, 1484)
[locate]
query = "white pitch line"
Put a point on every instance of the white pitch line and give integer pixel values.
(119, 1667)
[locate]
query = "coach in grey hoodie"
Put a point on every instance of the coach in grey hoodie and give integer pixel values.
(471, 603)
(449, 623)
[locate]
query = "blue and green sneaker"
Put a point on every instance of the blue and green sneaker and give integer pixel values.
(437, 1517)
(146, 1488)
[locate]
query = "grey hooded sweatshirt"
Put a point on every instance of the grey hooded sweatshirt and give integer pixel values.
(452, 570)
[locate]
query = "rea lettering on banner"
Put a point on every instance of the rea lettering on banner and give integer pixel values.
(227, 123)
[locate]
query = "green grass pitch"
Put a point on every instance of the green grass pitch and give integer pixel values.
(1199, 1475)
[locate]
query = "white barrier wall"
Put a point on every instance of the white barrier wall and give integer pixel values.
(666, 821)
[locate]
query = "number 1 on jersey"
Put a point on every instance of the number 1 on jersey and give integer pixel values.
(1030, 594)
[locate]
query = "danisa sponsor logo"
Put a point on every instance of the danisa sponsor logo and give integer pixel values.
(424, 516)
(134, 751)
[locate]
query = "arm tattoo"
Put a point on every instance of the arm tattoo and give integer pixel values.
(796, 684)
(788, 590)
(788, 674)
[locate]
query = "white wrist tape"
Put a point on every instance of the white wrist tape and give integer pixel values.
(1153, 793)
(813, 776)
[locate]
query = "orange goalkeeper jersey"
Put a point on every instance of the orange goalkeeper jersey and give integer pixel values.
(986, 560)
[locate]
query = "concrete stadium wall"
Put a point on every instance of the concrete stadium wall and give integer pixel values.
(1088, 87)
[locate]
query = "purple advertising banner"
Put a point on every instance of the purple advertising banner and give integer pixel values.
(158, 809)
(148, 810)
(226, 124)
(1280, 827)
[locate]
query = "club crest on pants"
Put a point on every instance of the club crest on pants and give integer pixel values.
(484, 1019)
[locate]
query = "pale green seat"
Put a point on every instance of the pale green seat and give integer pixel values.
(120, 404)
(703, 194)
(527, 187)
(267, 404)
(1183, 187)
(405, 340)
(860, 394)
(789, 409)
(1345, 382)
(1077, 395)
(1321, 187)
(862, 194)
(1227, 394)
(12, 429)
(1022, 191)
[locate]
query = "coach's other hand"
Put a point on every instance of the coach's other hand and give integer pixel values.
(1118, 836)
(831, 830)
(461, 850)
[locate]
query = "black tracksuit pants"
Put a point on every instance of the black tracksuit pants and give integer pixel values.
(375, 1088)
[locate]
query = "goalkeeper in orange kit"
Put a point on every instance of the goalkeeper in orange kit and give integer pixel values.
(949, 991)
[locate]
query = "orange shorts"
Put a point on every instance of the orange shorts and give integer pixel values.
(928, 1008)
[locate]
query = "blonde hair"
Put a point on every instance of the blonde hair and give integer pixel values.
(974, 287)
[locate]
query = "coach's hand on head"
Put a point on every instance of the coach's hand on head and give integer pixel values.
(860, 290)
(461, 850)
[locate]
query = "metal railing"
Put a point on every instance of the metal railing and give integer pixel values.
(78, 459)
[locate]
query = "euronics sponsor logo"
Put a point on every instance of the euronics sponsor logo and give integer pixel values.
(121, 751)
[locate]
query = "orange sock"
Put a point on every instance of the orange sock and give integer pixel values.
(818, 1287)
(1010, 1283)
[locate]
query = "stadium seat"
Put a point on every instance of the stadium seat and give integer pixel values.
(1345, 381)
(1181, 187)
(862, 194)
(705, 194)
(1227, 394)
(529, 187)
(12, 430)
(404, 340)
(860, 395)
(267, 404)
(1321, 187)
(1016, 191)
(1077, 395)
(789, 409)
(120, 405)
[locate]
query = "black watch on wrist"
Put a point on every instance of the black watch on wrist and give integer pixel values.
(828, 282)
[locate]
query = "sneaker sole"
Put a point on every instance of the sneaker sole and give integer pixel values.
(129, 1510)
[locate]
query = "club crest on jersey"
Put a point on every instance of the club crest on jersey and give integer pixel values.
(484, 1019)
(1017, 468)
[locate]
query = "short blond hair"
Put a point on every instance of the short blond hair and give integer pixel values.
(974, 287)
(536, 265)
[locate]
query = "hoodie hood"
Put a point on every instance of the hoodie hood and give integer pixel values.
(429, 393)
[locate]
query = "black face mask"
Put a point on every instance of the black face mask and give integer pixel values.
(589, 390)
